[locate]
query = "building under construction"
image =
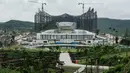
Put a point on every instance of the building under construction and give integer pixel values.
(85, 21)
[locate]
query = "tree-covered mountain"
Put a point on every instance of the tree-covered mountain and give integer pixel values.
(103, 25)
(17, 25)
(119, 25)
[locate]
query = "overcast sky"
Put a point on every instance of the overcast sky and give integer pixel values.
(25, 10)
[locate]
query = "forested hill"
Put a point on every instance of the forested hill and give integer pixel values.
(103, 25)
(17, 25)
(119, 25)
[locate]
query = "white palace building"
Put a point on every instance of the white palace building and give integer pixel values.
(67, 34)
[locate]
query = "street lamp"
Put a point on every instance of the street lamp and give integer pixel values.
(91, 71)
(97, 65)
(114, 31)
(86, 59)
(116, 37)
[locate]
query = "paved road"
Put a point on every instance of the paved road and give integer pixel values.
(67, 60)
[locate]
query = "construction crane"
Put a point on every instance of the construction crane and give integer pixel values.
(83, 17)
(43, 3)
(83, 8)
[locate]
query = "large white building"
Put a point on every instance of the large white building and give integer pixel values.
(68, 34)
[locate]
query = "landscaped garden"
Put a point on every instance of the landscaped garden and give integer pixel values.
(25, 61)
(42, 61)
(113, 56)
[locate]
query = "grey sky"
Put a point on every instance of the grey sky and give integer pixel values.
(24, 10)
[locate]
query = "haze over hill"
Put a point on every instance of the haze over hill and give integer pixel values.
(103, 25)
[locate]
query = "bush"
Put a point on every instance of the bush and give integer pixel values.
(6, 70)
(116, 69)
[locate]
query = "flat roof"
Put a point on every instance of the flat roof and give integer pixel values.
(66, 23)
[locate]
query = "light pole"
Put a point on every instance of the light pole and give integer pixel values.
(114, 31)
(86, 60)
(97, 65)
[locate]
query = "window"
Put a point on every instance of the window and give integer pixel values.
(58, 37)
(64, 37)
(52, 37)
(81, 37)
(40, 36)
(73, 36)
(68, 36)
(49, 36)
(43, 37)
(78, 37)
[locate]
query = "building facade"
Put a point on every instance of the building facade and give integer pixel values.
(86, 21)
(66, 33)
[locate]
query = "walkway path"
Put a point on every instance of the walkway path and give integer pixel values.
(67, 60)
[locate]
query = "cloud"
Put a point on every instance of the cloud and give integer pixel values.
(25, 10)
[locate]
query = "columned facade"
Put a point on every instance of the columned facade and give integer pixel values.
(64, 36)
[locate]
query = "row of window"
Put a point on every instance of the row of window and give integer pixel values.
(77, 37)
